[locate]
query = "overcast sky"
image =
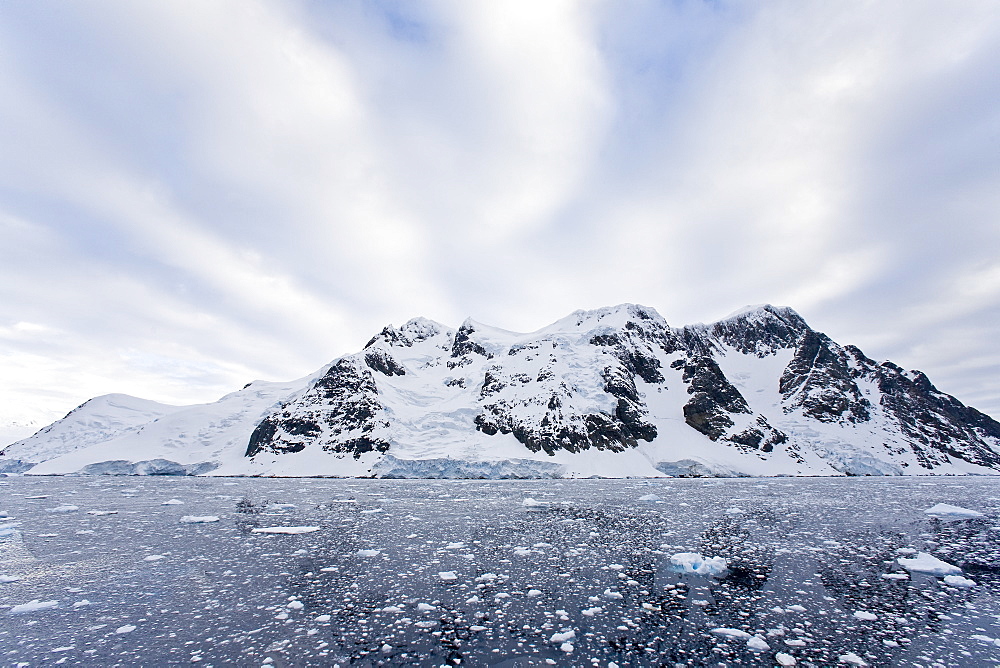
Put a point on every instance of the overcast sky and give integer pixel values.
(197, 194)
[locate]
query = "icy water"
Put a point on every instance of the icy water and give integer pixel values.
(437, 573)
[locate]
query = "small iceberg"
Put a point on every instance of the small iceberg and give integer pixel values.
(692, 562)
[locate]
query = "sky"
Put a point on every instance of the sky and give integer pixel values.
(194, 195)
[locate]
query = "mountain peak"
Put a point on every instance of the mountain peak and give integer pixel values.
(612, 391)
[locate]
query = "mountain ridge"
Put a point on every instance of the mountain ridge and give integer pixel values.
(612, 391)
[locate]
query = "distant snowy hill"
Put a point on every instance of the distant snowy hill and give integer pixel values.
(611, 392)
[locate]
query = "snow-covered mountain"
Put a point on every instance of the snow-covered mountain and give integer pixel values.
(611, 392)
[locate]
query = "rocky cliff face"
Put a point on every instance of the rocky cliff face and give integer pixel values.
(614, 391)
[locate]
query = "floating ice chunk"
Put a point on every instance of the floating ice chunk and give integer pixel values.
(8, 578)
(32, 606)
(173, 502)
(795, 608)
(369, 553)
(534, 592)
(81, 603)
(895, 576)
(590, 612)
(927, 563)
(154, 557)
(757, 644)
(522, 551)
(475, 628)
(101, 513)
(956, 512)
(425, 607)
(613, 594)
(128, 628)
(731, 633)
(852, 659)
(692, 562)
(321, 618)
(198, 519)
(784, 659)
(65, 508)
(563, 636)
(865, 616)
(282, 506)
(958, 581)
(650, 498)
(532, 503)
(734, 511)
(285, 530)
(567, 647)
(448, 576)
(295, 605)
(455, 546)
(7, 531)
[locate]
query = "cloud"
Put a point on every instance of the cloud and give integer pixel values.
(196, 194)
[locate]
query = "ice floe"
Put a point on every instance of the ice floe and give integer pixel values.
(928, 563)
(949, 511)
(32, 606)
(285, 530)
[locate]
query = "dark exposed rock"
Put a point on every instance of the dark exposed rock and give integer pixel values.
(551, 427)
(340, 413)
(464, 344)
(713, 397)
(820, 379)
(761, 331)
(936, 423)
(381, 361)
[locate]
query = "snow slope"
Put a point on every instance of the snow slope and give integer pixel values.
(611, 392)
